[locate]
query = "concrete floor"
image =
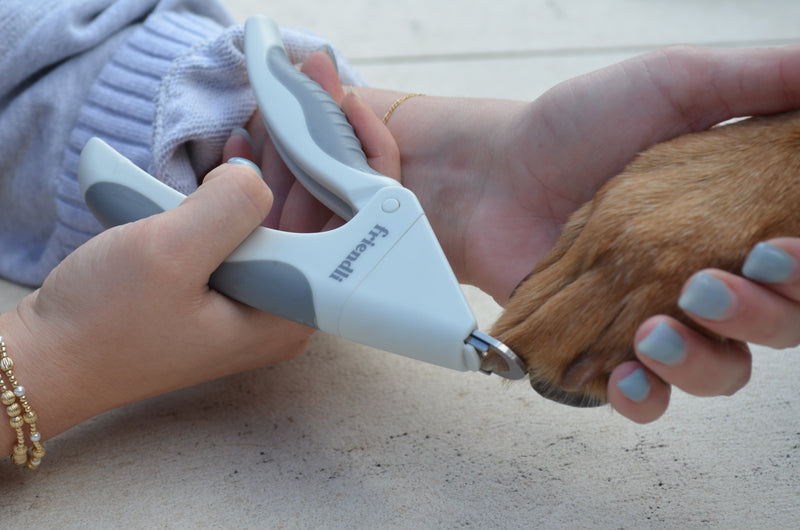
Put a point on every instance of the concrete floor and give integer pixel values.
(348, 437)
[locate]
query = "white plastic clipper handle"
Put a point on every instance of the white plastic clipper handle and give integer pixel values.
(379, 280)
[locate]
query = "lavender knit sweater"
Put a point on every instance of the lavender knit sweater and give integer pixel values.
(163, 82)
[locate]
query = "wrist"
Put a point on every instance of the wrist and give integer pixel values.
(47, 374)
(450, 148)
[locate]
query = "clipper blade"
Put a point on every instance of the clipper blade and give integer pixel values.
(496, 357)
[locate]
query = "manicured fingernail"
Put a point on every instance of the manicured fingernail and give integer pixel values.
(707, 297)
(246, 162)
(327, 48)
(768, 264)
(635, 386)
(243, 132)
(663, 344)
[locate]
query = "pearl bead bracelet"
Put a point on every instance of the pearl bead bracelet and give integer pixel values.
(12, 395)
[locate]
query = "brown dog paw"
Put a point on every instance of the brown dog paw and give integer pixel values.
(701, 200)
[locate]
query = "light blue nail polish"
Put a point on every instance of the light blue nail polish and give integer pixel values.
(768, 264)
(706, 296)
(243, 132)
(635, 386)
(246, 162)
(663, 344)
(327, 48)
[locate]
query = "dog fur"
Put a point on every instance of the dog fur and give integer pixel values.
(698, 201)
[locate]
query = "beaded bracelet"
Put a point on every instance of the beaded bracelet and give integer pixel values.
(20, 412)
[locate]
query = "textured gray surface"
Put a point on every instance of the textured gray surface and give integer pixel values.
(347, 437)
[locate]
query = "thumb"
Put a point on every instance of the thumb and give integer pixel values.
(211, 222)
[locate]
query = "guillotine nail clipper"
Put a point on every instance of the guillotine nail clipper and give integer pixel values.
(381, 279)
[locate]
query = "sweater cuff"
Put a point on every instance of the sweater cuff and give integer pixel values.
(205, 95)
(120, 108)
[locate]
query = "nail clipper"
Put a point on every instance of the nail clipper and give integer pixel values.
(381, 279)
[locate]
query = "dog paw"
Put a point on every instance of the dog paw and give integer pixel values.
(701, 200)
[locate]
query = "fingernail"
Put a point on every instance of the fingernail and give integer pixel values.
(706, 296)
(243, 132)
(635, 386)
(327, 48)
(246, 162)
(663, 344)
(768, 264)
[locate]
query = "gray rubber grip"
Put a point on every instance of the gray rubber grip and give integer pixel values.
(114, 204)
(272, 286)
(324, 118)
(327, 125)
(269, 285)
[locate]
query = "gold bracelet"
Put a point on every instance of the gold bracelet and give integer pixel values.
(20, 412)
(397, 104)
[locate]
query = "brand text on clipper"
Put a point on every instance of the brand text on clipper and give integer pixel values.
(345, 268)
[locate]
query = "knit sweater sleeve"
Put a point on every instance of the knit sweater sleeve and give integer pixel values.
(167, 97)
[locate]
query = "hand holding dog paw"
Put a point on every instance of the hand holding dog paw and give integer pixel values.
(582, 314)
(762, 306)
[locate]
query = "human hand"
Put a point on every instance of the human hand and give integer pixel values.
(130, 315)
(523, 169)
(667, 94)
(762, 306)
(499, 179)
